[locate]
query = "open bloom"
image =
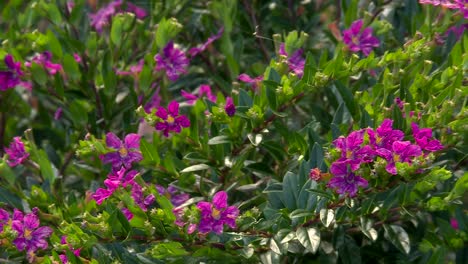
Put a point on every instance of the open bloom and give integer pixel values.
(16, 152)
(255, 82)
(103, 16)
(204, 90)
(30, 236)
(126, 152)
(230, 108)
(352, 150)
(402, 151)
(172, 60)
(171, 120)
(215, 215)
(45, 59)
(358, 39)
(384, 135)
(423, 137)
(120, 178)
(11, 77)
(195, 51)
(344, 180)
(295, 62)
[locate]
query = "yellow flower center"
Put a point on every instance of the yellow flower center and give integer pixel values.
(396, 157)
(170, 119)
(27, 234)
(355, 40)
(349, 154)
(123, 152)
(378, 140)
(216, 214)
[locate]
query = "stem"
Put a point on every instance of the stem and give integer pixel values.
(257, 33)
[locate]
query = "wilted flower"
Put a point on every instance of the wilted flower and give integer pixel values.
(126, 152)
(230, 108)
(360, 40)
(171, 120)
(16, 152)
(45, 59)
(134, 69)
(172, 193)
(30, 236)
(215, 215)
(172, 60)
(204, 90)
(344, 180)
(315, 174)
(195, 51)
(154, 102)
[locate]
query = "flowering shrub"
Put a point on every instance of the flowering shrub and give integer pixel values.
(233, 131)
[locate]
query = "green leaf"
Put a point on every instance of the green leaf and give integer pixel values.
(167, 250)
(327, 216)
(7, 173)
(10, 198)
(219, 140)
(349, 252)
(309, 238)
(38, 73)
(291, 188)
(398, 237)
(71, 68)
(348, 98)
(197, 167)
(167, 30)
(54, 44)
(150, 154)
(47, 170)
(117, 30)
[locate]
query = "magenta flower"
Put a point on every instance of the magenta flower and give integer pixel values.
(4, 218)
(58, 113)
(127, 213)
(139, 198)
(77, 57)
(202, 91)
(423, 138)
(344, 180)
(173, 61)
(63, 257)
(358, 39)
(457, 30)
(402, 151)
(444, 3)
(120, 178)
(30, 236)
(295, 62)
(173, 194)
(134, 69)
(384, 135)
(102, 194)
(45, 59)
(462, 5)
(154, 102)
(454, 223)
(217, 214)
(352, 150)
(126, 152)
(230, 108)
(104, 15)
(11, 77)
(195, 51)
(255, 82)
(16, 152)
(171, 120)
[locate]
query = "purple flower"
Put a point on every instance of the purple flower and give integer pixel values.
(4, 218)
(58, 113)
(203, 90)
(384, 135)
(360, 40)
(462, 5)
(127, 213)
(102, 194)
(139, 199)
(172, 60)
(352, 150)
(154, 102)
(457, 30)
(45, 59)
(195, 51)
(77, 57)
(120, 178)
(171, 120)
(11, 77)
(173, 194)
(16, 152)
(255, 82)
(126, 153)
(103, 16)
(30, 236)
(402, 151)
(423, 138)
(444, 3)
(230, 108)
(215, 215)
(296, 62)
(63, 257)
(344, 180)
(134, 69)
(454, 223)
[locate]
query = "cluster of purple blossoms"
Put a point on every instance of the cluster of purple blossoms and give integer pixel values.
(217, 214)
(195, 51)
(365, 145)
(115, 179)
(104, 15)
(45, 59)
(204, 90)
(358, 39)
(172, 60)
(295, 62)
(125, 152)
(30, 237)
(11, 77)
(170, 119)
(16, 152)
